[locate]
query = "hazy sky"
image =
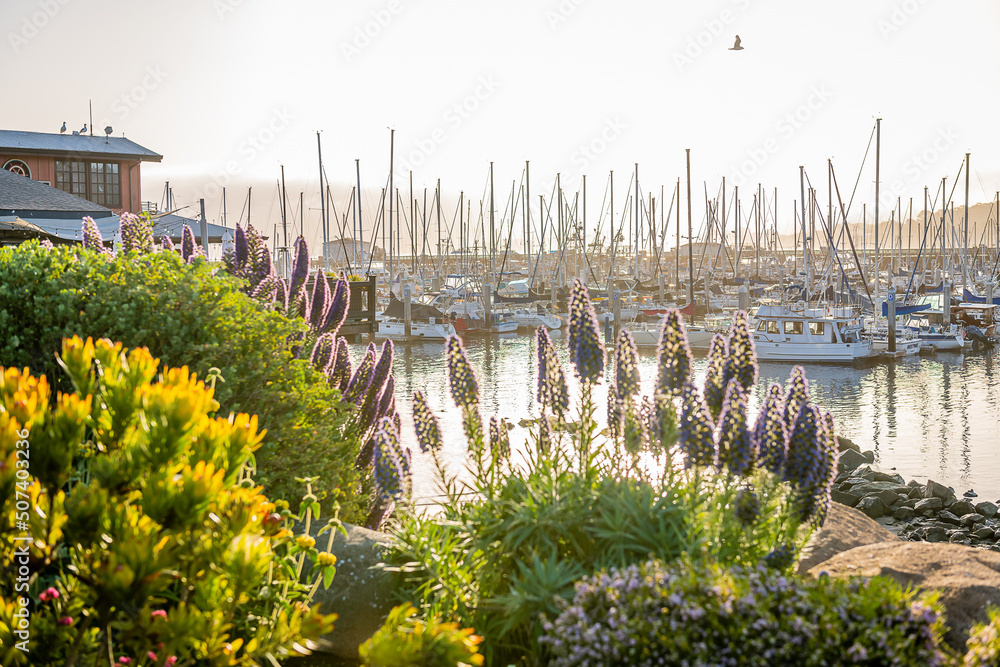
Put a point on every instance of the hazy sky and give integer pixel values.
(229, 90)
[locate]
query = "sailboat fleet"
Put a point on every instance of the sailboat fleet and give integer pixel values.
(504, 265)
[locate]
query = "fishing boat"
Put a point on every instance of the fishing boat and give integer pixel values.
(527, 318)
(426, 322)
(808, 334)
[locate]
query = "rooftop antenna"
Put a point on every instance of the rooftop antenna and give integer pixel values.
(107, 131)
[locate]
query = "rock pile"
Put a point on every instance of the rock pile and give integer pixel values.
(918, 512)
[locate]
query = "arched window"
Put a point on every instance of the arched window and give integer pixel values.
(18, 167)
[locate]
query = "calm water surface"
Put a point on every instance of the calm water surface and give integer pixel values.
(926, 417)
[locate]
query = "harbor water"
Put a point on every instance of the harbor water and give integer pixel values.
(924, 417)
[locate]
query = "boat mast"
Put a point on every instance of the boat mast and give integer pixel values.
(637, 221)
(392, 146)
(965, 239)
(805, 257)
(361, 223)
(687, 153)
(878, 147)
(322, 199)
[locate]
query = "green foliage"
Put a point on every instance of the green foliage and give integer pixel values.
(147, 538)
(187, 315)
(405, 641)
(707, 614)
(983, 646)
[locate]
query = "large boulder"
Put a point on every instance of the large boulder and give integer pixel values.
(968, 578)
(359, 594)
(844, 529)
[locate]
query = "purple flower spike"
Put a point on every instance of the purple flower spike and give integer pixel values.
(300, 270)
(715, 390)
(464, 388)
(188, 244)
(737, 449)
(92, 236)
(381, 371)
(388, 466)
(387, 403)
(168, 245)
(673, 355)
(425, 423)
(47, 244)
(585, 345)
(136, 233)
(320, 302)
(804, 467)
(741, 358)
(552, 391)
(616, 416)
(339, 304)
(626, 366)
(358, 385)
(281, 294)
(340, 372)
(383, 368)
(796, 395)
(746, 506)
(694, 434)
(267, 290)
(499, 440)
(323, 351)
(242, 248)
(770, 431)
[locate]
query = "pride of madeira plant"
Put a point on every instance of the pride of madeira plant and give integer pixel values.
(682, 473)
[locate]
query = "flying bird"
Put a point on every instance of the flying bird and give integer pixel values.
(63, 128)
(736, 45)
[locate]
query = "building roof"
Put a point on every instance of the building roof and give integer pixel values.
(67, 229)
(22, 196)
(172, 225)
(41, 143)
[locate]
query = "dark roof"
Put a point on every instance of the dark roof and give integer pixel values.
(172, 225)
(69, 229)
(40, 143)
(21, 195)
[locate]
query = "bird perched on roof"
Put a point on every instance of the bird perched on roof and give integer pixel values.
(63, 128)
(84, 130)
(736, 45)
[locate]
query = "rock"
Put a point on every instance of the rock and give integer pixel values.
(913, 484)
(903, 514)
(985, 533)
(846, 443)
(987, 509)
(872, 506)
(958, 537)
(970, 494)
(929, 505)
(869, 456)
(935, 490)
(961, 507)
(844, 529)
(889, 498)
(935, 534)
(968, 578)
(911, 502)
(850, 459)
(886, 477)
(872, 488)
(360, 595)
(947, 517)
(848, 498)
(971, 519)
(916, 491)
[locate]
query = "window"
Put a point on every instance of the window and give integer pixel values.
(793, 328)
(772, 327)
(99, 182)
(816, 328)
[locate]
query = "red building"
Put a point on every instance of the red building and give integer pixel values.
(103, 170)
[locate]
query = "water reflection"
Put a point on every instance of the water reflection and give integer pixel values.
(931, 417)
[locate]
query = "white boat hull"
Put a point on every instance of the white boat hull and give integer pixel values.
(396, 329)
(812, 352)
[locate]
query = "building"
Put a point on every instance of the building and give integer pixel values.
(29, 209)
(103, 170)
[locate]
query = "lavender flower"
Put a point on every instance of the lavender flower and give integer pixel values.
(552, 391)
(268, 289)
(585, 345)
(339, 304)
(376, 383)
(499, 439)
(425, 423)
(188, 245)
(387, 403)
(796, 395)
(281, 301)
(464, 389)
(242, 252)
(673, 355)
(167, 244)
(340, 369)
(810, 465)
(358, 386)
(827, 454)
(694, 436)
(715, 389)
(737, 450)
(300, 272)
(320, 302)
(92, 236)
(741, 357)
(770, 431)
(136, 233)
(388, 464)
(626, 366)
(323, 352)
(746, 506)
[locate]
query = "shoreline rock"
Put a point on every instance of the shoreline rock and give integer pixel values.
(912, 511)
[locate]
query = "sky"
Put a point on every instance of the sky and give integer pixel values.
(229, 91)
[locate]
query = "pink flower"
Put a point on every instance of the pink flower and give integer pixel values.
(171, 661)
(151, 656)
(48, 594)
(124, 660)
(159, 613)
(65, 620)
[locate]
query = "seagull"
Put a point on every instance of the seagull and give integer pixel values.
(63, 128)
(736, 45)
(84, 130)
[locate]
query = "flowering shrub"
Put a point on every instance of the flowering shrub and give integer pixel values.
(405, 641)
(671, 477)
(149, 543)
(684, 614)
(186, 314)
(984, 642)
